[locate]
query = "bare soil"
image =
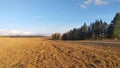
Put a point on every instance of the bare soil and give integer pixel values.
(44, 53)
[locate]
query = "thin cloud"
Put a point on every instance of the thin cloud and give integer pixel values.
(83, 6)
(86, 3)
(100, 2)
(95, 2)
(17, 32)
(14, 32)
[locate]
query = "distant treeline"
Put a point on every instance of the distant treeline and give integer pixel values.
(96, 30)
(22, 36)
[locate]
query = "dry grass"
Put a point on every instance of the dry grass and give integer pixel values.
(43, 53)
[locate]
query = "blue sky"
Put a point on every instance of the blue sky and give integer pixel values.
(49, 16)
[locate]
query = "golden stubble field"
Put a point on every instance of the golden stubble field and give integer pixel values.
(44, 53)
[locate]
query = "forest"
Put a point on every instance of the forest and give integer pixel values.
(97, 30)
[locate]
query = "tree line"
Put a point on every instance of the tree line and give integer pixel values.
(96, 31)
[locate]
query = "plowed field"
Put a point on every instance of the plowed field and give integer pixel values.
(44, 53)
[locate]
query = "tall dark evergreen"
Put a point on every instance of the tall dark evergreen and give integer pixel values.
(83, 32)
(90, 32)
(114, 27)
(104, 30)
(98, 29)
(110, 31)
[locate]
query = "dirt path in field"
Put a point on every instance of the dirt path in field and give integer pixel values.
(43, 53)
